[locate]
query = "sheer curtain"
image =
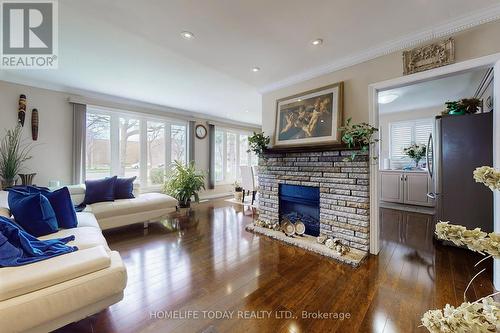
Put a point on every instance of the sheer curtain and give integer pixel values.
(79, 142)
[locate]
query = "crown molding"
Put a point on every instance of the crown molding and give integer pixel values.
(462, 23)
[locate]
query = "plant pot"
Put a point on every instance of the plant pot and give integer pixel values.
(457, 112)
(6, 183)
(185, 204)
(238, 196)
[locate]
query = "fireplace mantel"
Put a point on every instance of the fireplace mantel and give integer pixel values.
(316, 148)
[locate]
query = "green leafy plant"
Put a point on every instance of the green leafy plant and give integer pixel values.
(258, 143)
(184, 182)
(13, 154)
(463, 106)
(358, 135)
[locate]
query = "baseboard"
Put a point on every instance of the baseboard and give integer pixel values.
(215, 196)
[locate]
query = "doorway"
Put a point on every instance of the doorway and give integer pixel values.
(378, 89)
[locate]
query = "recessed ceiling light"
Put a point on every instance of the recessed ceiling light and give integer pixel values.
(299, 100)
(387, 98)
(247, 111)
(255, 69)
(317, 42)
(187, 35)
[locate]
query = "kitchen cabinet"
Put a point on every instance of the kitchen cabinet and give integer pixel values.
(406, 187)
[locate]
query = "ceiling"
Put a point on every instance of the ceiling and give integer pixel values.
(134, 49)
(433, 93)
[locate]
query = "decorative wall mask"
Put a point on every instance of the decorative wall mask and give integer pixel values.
(21, 111)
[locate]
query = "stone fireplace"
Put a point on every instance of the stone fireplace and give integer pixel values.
(322, 185)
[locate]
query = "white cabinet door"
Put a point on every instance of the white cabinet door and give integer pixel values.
(391, 186)
(416, 187)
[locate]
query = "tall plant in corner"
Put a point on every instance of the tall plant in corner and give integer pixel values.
(13, 154)
(184, 182)
(358, 135)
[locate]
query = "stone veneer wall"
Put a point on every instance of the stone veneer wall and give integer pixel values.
(344, 190)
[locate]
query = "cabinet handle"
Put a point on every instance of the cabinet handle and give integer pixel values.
(406, 177)
(401, 178)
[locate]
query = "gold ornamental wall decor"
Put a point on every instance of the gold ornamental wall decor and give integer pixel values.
(429, 56)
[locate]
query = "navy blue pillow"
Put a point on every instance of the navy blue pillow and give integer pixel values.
(99, 190)
(124, 188)
(62, 204)
(33, 212)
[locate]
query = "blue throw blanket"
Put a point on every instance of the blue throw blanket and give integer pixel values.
(17, 247)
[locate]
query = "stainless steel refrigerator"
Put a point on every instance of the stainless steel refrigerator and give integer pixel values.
(460, 145)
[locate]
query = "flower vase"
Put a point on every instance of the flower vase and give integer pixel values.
(416, 163)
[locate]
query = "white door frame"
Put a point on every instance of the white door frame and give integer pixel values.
(375, 88)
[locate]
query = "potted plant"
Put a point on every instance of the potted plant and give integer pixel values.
(416, 152)
(463, 106)
(13, 154)
(257, 143)
(184, 182)
(358, 135)
(238, 191)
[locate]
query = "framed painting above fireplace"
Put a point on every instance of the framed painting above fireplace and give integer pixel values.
(310, 118)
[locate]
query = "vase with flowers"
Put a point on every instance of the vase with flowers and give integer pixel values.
(416, 152)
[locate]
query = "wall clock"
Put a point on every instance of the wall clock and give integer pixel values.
(201, 132)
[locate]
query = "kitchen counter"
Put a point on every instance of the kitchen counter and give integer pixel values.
(404, 171)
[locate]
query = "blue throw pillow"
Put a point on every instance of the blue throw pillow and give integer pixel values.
(60, 200)
(33, 212)
(99, 190)
(124, 188)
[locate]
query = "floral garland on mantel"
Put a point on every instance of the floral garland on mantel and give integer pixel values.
(483, 315)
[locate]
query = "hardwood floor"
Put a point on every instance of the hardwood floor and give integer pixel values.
(208, 262)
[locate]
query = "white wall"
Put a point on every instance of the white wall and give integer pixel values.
(52, 153)
(386, 119)
(469, 44)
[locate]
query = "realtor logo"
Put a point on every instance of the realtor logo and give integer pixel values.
(29, 34)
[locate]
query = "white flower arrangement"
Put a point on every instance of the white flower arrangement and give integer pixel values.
(483, 315)
(488, 176)
(415, 151)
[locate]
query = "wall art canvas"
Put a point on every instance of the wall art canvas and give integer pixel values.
(310, 118)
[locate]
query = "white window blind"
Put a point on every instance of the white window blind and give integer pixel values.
(405, 133)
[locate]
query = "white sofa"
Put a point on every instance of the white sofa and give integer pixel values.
(145, 207)
(49, 294)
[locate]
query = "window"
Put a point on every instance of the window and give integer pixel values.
(405, 133)
(98, 155)
(156, 152)
(130, 148)
(230, 153)
(178, 141)
(132, 145)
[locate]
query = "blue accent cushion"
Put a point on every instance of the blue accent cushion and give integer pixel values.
(100, 190)
(124, 188)
(33, 212)
(61, 203)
